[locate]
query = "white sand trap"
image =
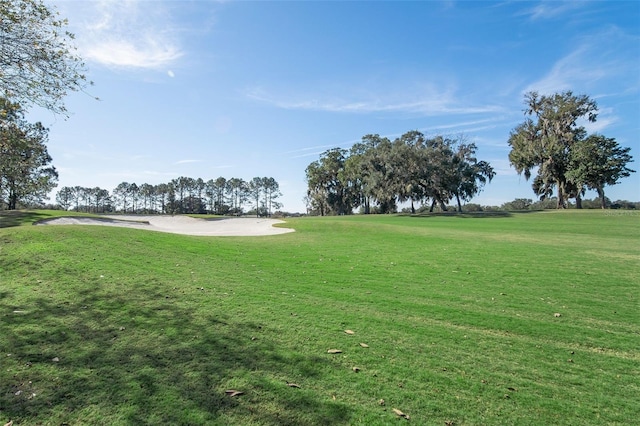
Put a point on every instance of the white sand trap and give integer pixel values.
(185, 225)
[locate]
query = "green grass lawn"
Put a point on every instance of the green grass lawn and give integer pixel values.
(514, 319)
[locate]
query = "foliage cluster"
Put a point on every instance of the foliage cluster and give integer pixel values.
(38, 66)
(38, 61)
(26, 173)
(383, 172)
(558, 147)
(181, 195)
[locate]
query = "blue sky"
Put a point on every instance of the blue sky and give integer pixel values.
(243, 89)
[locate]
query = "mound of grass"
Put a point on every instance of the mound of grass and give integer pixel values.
(518, 319)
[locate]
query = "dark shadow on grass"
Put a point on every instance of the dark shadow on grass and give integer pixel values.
(144, 358)
(9, 218)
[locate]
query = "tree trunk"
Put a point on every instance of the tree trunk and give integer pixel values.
(603, 202)
(459, 205)
(413, 209)
(578, 202)
(561, 204)
(433, 204)
(13, 199)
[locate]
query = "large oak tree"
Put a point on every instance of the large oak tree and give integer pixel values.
(543, 142)
(552, 142)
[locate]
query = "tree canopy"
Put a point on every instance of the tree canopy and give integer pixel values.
(381, 172)
(38, 62)
(598, 161)
(555, 145)
(26, 174)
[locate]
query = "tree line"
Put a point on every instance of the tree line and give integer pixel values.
(183, 195)
(377, 173)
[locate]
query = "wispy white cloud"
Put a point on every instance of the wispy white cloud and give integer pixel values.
(552, 9)
(427, 102)
(502, 167)
(599, 125)
(468, 126)
(188, 161)
(308, 154)
(594, 60)
(155, 173)
(312, 148)
(127, 34)
(492, 142)
(606, 118)
(600, 63)
(315, 151)
(462, 128)
(568, 72)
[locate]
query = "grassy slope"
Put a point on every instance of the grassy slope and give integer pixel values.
(458, 313)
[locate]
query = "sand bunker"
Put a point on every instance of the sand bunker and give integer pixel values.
(239, 227)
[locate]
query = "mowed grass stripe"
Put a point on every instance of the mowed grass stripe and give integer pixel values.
(458, 313)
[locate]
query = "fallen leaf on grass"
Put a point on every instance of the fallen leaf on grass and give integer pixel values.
(334, 351)
(557, 315)
(381, 402)
(9, 424)
(293, 385)
(364, 345)
(356, 369)
(401, 414)
(56, 359)
(512, 389)
(233, 392)
(351, 332)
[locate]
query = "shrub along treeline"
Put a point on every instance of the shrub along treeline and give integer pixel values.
(182, 195)
(527, 204)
